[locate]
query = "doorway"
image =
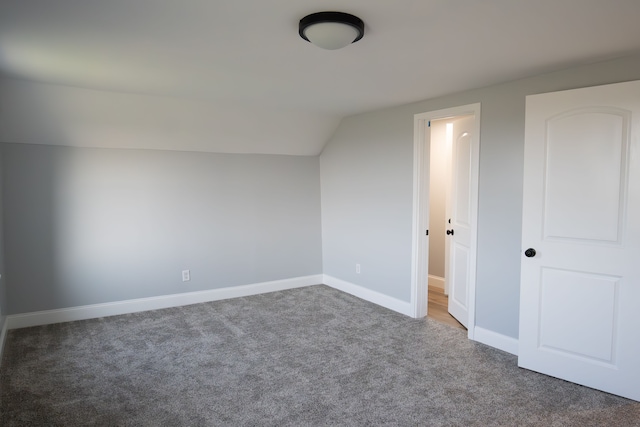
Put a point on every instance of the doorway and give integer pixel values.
(461, 233)
(440, 180)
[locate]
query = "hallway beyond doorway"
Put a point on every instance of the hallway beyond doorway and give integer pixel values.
(438, 303)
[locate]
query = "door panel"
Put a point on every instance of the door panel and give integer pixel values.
(462, 179)
(589, 333)
(585, 140)
(580, 293)
(460, 277)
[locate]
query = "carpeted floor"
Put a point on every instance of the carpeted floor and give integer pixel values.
(302, 357)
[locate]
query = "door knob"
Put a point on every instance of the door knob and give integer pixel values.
(450, 232)
(530, 253)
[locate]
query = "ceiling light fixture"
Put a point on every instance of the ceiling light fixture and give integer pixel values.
(331, 30)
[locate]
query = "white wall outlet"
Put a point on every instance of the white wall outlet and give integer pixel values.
(186, 275)
(357, 268)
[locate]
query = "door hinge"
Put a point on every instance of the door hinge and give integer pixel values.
(427, 233)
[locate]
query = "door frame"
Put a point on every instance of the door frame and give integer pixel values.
(420, 241)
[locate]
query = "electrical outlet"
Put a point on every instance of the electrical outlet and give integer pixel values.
(186, 275)
(357, 268)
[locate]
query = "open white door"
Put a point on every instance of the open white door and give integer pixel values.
(580, 283)
(460, 229)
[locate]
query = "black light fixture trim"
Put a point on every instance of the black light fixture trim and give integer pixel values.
(338, 17)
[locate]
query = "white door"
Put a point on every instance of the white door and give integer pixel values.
(580, 290)
(459, 230)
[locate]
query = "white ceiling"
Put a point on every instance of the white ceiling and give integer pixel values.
(246, 54)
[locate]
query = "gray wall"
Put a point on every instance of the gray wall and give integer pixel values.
(438, 180)
(89, 225)
(367, 178)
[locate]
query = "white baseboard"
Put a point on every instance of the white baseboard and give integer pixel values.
(154, 303)
(16, 321)
(496, 340)
(3, 335)
(436, 281)
(386, 301)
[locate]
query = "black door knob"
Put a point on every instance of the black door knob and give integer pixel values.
(450, 232)
(530, 253)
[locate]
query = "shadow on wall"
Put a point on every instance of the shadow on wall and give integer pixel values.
(88, 226)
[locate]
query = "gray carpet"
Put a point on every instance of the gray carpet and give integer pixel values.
(310, 356)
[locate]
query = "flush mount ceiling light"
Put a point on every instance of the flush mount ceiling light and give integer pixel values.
(331, 30)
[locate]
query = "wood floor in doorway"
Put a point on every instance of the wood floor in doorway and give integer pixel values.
(437, 310)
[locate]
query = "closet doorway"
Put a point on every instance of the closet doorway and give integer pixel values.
(446, 163)
(440, 184)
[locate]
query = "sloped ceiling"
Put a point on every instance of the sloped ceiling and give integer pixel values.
(243, 65)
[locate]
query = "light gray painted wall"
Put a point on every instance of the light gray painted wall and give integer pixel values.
(365, 195)
(367, 178)
(437, 197)
(87, 225)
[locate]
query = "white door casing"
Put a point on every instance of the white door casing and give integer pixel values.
(419, 267)
(461, 240)
(580, 292)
